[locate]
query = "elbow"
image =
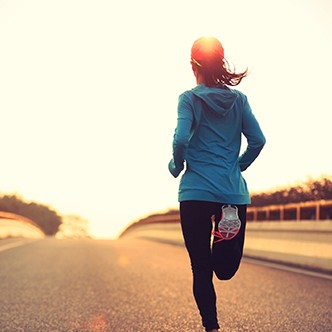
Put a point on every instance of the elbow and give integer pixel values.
(181, 141)
(259, 144)
(262, 142)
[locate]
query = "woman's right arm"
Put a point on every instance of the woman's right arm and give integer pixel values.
(182, 135)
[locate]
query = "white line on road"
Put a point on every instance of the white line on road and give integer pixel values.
(287, 268)
(13, 245)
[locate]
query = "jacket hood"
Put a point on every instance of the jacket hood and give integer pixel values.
(219, 99)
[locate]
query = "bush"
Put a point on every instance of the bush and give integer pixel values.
(47, 219)
(311, 190)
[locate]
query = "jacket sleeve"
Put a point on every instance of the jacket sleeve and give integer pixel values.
(182, 135)
(255, 137)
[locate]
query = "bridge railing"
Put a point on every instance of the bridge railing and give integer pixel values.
(13, 225)
(300, 241)
(314, 210)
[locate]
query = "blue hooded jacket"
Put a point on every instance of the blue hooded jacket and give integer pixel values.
(211, 121)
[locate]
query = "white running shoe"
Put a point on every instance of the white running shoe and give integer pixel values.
(229, 225)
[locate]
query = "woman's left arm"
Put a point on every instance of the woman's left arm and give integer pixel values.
(255, 137)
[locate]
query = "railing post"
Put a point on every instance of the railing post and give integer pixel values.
(268, 214)
(255, 214)
(298, 213)
(317, 211)
(282, 213)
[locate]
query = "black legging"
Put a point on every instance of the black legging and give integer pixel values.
(223, 258)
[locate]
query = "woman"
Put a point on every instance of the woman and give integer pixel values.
(211, 119)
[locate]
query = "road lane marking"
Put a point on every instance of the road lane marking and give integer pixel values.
(286, 268)
(12, 245)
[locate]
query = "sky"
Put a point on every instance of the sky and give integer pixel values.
(89, 91)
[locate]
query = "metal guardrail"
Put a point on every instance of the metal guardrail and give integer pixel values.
(312, 210)
(302, 243)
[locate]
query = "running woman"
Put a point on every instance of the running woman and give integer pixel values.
(213, 194)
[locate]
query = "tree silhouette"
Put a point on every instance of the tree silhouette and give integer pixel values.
(310, 190)
(47, 219)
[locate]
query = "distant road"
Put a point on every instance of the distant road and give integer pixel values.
(140, 286)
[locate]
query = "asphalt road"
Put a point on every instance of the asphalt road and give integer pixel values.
(140, 286)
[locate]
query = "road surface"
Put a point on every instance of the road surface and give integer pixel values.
(53, 285)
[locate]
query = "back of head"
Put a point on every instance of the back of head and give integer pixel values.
(207, 51)
(207, 57)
